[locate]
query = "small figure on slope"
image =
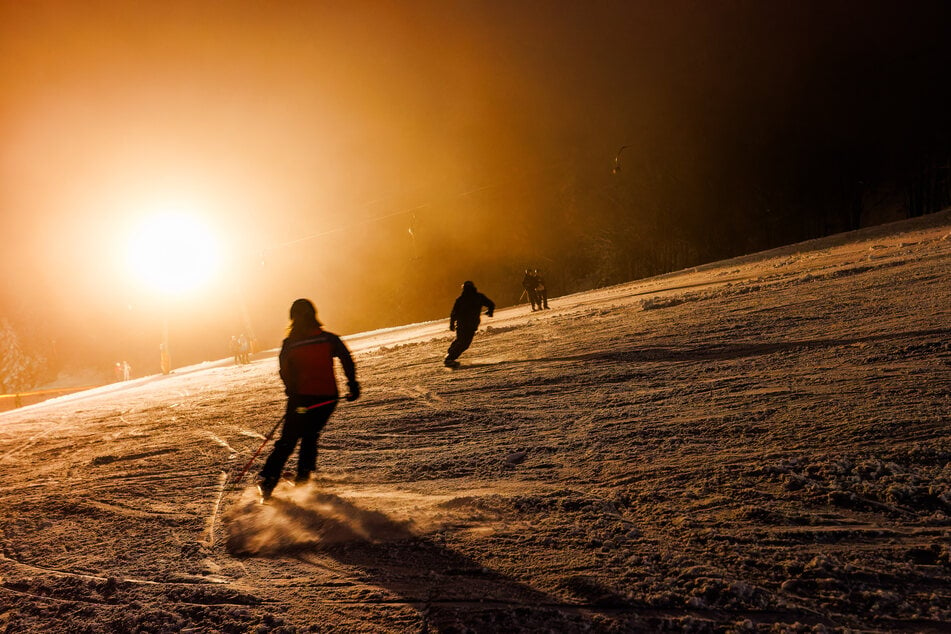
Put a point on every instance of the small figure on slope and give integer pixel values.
(529, 283)
(464, 320)
(307, 370)
(541, 293)
(244, 346)
(233, 348)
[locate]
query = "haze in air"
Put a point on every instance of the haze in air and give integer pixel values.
(373, 156)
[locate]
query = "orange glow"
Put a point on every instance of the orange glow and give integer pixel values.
(373, 155)
(173, 252)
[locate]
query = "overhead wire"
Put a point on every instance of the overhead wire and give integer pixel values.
(409, 210)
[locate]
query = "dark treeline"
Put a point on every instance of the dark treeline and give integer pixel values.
(591, 227)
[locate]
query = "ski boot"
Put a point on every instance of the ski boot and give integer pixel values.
(265, 488)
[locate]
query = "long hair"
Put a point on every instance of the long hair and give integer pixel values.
(303, 318)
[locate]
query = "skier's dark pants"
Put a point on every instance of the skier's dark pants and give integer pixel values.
(305, 428)
(464, 335)
(533, 297)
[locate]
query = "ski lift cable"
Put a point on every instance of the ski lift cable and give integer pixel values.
(347, 226)
(408, 210)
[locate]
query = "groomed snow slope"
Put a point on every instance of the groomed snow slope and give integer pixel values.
(759, 444)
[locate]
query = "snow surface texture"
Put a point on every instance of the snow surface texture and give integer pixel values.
(758, 444)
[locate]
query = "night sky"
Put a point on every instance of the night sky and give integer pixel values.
(372, 155)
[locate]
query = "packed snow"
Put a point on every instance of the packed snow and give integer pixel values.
(759, 444)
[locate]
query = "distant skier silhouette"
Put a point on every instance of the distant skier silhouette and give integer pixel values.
(233, 348)
(541, 293)
(529, 283)
(244, 347)
(464, 320)
(307, 370)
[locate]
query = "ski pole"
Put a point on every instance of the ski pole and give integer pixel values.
(299, 410)
(304, 410)
(251, 461)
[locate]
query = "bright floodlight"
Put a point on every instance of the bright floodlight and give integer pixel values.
(173, 253)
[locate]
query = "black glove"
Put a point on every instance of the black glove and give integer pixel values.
(488, 313)
(452, 326)
(354, 388)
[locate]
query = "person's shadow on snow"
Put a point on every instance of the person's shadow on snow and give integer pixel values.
(451, 590)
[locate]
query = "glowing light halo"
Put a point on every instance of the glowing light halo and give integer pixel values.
(172, 252)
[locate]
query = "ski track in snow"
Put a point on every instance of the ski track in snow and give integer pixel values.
(752, 444)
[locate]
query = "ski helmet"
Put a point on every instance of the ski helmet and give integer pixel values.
(302, 310)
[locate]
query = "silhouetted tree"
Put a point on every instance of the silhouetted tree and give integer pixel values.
(928, 188)
(19, 368)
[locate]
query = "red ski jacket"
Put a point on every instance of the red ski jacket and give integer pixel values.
(307, 363)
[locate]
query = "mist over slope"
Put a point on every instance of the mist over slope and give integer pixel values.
(752, 444)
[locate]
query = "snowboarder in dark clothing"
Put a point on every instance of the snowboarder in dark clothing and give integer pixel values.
(464, 320)
(529, 283)
(307, 370)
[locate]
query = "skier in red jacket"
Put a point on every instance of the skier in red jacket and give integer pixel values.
(307, 370)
